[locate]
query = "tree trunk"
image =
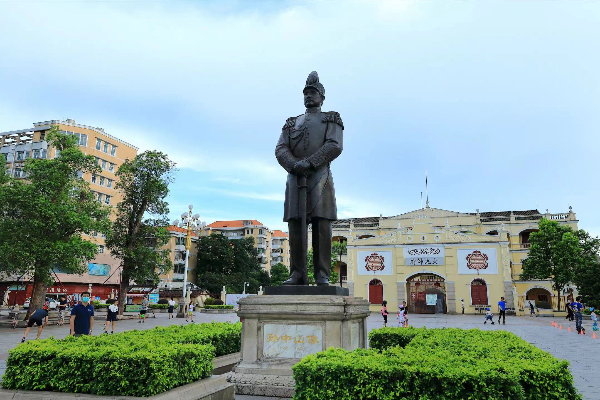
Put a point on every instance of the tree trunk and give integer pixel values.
(123, 289)
(39, 294)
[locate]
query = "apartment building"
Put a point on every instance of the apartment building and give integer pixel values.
(173, 280)
(280, 248)
(110, 152)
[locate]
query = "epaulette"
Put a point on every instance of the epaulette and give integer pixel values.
(290, 123)
(332, 116)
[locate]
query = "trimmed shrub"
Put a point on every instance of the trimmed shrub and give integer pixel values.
(384, 338)
(215, 307)
(133, 363)
(218, 302)
(163, 301)
(209, 301)
(445, 364)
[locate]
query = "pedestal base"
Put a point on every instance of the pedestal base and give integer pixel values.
(278, 330)
(305, 290)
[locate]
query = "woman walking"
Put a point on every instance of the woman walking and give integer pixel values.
(570, 316)
(171, 308)
(384, 312)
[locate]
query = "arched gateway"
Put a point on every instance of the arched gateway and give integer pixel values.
(426, 294)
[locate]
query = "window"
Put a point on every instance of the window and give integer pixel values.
(94, 233)
(97, 161)
(109, 183)
(42, 135)
(113, 150)
(100, 249)
(252, 231)
(83, 140)
(44, 153)
(107, 199)
(111, 167)
(103, 164)
(20, 155)
(101, 181)
(36, 153)
(94, 178)
(179, 268)
(56, 153)
(105, 147)
(260, 232)
(17, 172)
(98, 144)
(100, 197)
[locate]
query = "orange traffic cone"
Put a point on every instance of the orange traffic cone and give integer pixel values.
(553, 323)
(569, 328)
(560, 327)
(594, 335)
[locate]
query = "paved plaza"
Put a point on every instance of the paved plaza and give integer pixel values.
(581, 351)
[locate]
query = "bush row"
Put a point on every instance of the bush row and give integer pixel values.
(212, 301)
(218, 307)
(134, 363)
(445, 364)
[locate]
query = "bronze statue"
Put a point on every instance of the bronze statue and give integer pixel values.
(307, 145)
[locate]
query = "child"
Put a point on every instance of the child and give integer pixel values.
(401, 319)
(489, 315)
(384, 312)
(594, 319)
(405, 314)
(191, 311)
(111, 316)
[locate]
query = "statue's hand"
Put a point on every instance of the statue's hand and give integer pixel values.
(302, 167)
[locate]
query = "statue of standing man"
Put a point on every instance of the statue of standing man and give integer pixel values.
(306, 147)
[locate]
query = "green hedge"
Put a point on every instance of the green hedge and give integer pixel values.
(160, 306)
(218, 307)
(134, 363)
(444, 364)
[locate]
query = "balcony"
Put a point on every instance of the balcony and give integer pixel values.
(179, 247)
(178, 277)
(275, 246)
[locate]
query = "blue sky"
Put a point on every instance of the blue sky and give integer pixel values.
(498, 101)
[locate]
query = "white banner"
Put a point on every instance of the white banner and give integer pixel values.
(477, 261)
(232, 299)
(424, 255)
(374, 263)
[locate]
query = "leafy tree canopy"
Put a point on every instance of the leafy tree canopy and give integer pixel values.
(42, 219)
(279, 273)
(139, 232)
(229, 263)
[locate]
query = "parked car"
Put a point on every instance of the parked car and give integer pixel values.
(52, 303)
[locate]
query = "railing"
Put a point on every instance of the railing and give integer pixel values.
(525, 245)
(275, 246)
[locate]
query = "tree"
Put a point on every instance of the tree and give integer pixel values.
(554, 254)
(279, 273)
(338, 250)
(229, 263)
(42, 220)
(139, 231)
(587, 273)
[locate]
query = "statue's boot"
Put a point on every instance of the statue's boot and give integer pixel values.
(322, 281)
(295, 279)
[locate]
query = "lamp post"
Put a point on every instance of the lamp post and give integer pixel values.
(189, 222)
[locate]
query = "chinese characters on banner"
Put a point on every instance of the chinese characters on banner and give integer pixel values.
(482, 261)
(292, 341)
(424, 255)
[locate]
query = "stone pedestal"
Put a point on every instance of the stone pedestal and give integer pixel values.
(278, 330)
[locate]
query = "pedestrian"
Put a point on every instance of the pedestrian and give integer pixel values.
(405, 314)
(40, 318)
(111, 316)
(577, 307)
(143, 309)
(171, 308)
(384, 312)
(401, 316)
(502, 310)
(531, 309)
(82, 316)
(594, 319)
(462, 303)
(190, 311)
(570, 315)
(489, 316)
(62, 307)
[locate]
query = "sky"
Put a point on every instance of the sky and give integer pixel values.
(498, 101)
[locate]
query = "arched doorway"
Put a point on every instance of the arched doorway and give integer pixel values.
(479, 295)
(540, 297)
(427, 294)
(375, 292)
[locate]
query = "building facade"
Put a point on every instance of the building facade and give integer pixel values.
(433, 259)
(280, 248)
(110, 152)
(173, 280)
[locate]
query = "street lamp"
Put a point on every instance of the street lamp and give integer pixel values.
(189, 222)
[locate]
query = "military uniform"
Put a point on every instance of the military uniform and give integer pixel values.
(317, 137)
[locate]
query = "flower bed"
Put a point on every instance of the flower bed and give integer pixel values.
(218, 307)
(445, 364)
(134, 363)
